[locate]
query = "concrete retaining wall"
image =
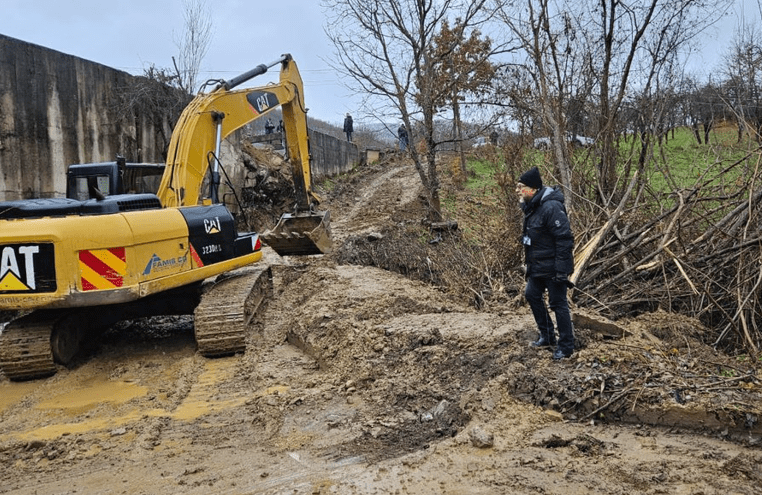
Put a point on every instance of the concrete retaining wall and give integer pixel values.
(55, 110)
(331, 156)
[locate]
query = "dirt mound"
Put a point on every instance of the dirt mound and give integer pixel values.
(268, 189)
(391, 329)
(365, 375)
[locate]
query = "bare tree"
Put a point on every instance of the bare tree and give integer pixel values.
(743, 74)
(193, 43)
(642, 42)
(386, 49)
(607, 48)
(553, 62)
(150, 103)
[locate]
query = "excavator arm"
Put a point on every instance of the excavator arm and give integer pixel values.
(211, 117)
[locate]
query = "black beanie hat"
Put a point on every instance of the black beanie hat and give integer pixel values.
(531, 178)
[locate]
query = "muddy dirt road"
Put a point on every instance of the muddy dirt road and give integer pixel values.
(359, 381)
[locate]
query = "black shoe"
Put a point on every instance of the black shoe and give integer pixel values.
(559, 354)
(542, 342)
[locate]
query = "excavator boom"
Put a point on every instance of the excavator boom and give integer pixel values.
(209, 118)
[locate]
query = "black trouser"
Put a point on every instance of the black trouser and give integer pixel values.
(535, 291)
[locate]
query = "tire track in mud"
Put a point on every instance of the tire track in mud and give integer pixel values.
(126, 404)
(121, 390)
(112, 389)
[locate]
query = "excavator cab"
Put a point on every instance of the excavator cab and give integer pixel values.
(87, 180)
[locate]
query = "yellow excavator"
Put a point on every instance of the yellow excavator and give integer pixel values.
(75, 266)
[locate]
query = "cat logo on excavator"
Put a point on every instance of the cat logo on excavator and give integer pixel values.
(26, 268)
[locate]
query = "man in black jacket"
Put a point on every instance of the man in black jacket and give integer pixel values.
(402, 136)
(548, 248)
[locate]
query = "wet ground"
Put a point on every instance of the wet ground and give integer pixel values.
(358, 380)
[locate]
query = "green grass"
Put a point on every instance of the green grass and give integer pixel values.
(677, 163)
(449, 203)
(482, 176)
(680, 162)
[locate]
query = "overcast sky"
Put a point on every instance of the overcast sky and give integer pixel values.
(132, 34)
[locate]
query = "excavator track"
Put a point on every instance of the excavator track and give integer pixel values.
(227, 308)
(25, 351)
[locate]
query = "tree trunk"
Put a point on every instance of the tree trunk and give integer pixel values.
(458, 136)
(435, 210)
(696, 133)
(561, 151)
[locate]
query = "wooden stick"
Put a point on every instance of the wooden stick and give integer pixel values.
(587, 253)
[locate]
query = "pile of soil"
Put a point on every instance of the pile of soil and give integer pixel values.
(361, 379)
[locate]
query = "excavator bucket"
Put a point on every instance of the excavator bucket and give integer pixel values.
(301, 234)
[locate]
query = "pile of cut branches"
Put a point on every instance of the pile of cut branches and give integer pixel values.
(696, 251)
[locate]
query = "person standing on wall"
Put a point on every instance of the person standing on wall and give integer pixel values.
(348, 127)
(282, 130)
(548, 247)
(402, 136)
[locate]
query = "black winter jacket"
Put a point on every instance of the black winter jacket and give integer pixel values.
(548, 239)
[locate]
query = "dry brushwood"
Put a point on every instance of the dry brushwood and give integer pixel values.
(697, 252)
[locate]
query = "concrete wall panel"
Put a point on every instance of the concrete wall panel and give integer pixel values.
(331, 156)
(55, 110)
